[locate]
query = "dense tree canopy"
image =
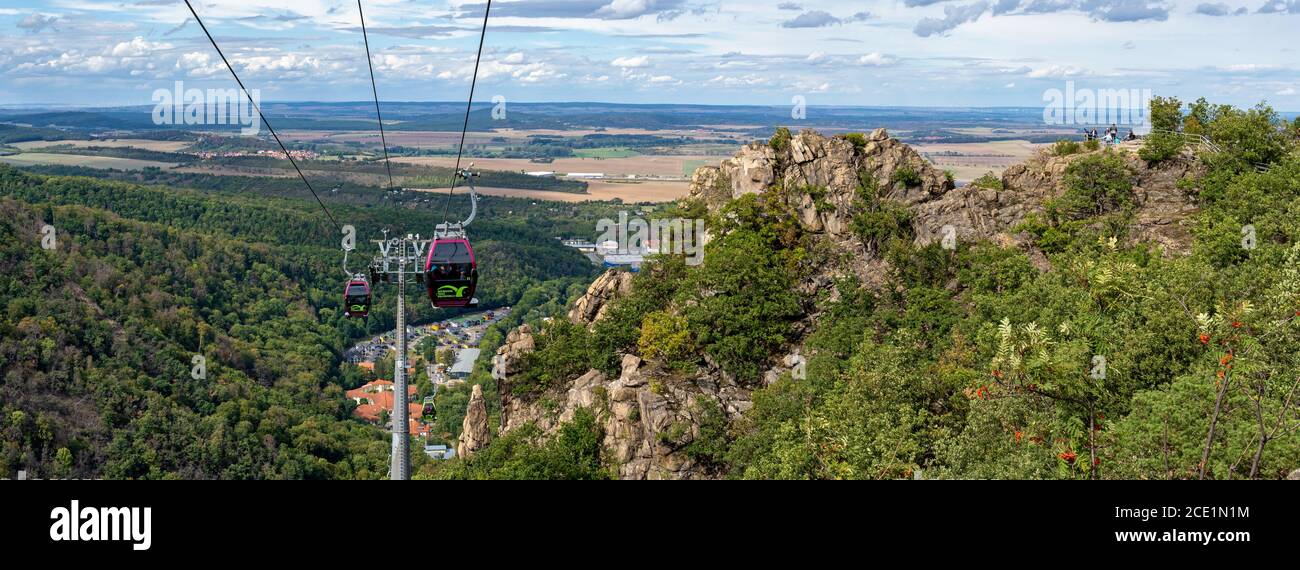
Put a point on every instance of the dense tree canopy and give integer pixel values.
(100, 332)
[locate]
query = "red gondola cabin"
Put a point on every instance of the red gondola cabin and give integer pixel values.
(451, 273)
(356, 299)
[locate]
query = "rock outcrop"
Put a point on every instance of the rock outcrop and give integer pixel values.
(509, 359)
(474, 434)
(591, 307)
(981, 213)
(832, 166)
(650, 414)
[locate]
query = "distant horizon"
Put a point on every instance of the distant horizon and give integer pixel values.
(556, 102)
(874, 53)
(487, 103)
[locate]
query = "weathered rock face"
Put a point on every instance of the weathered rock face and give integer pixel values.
(979, 213)
(509, 357)
(474, 434)
(591, 306)
(509, 361)
(833, 164)
(648, 414)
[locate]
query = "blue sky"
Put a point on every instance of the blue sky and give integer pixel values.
(877, 52)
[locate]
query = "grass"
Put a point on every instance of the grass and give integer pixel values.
(605, 152)
(689, 166)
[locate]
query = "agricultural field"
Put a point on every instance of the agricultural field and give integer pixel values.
(605, 153)
(644, 165)
(34, 158)
(655, 191)
(969, 161)
(159, 146)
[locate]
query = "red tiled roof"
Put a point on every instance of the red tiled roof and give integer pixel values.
(418, 428)
(377, 397)
(377, 387)
(368, 412)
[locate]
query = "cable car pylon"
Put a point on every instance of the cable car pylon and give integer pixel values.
(398, 257)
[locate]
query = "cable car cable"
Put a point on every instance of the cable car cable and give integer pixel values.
(263, 117)
(374, 89)
(469, 105)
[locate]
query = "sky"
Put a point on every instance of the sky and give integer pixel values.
(962, 53)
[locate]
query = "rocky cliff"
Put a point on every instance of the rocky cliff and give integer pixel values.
(591, 307)
(813, 161)
(650, 414)
(475, 433)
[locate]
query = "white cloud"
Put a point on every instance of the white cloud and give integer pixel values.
(1247, 67)
(137, 47)
(1058, 72)
(286, 62)
(877, 59)
(199, 64)
(631, 62)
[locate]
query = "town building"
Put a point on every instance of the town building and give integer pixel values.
(464, 364)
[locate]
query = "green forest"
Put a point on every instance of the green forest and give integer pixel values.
(1119, 363)
(100, 330)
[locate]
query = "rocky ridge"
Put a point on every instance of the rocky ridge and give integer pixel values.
(650, 415)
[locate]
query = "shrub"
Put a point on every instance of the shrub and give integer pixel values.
(1065, 147)
(988, 180)
(564, 351)
(859, 140)
(1091, 145)
(1095, 185)
(1167, 114)
(1256, 136)
(1161, 146)
(780, 140)
(877, 221)
(1166, 120)
(665, 335)
(907, 175)
(740, 304)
